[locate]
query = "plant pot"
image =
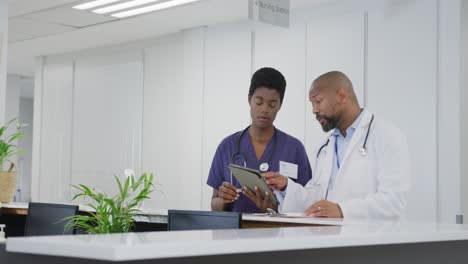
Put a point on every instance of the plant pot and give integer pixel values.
(7, 186)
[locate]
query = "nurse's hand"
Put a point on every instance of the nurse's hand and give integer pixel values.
(256, 197)
(275, 180)
(228, 192)
(324, 208)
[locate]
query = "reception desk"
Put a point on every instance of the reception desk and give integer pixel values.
(153, 215)
(371, 242)
(159, 216)
(149, 215)
(14, 216)
(318, 240)
(13, 208)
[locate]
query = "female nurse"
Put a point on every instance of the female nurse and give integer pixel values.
(260, 146)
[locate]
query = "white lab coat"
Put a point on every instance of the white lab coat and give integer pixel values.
(372, 186)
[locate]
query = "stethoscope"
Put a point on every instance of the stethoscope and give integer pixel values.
(240, 155)
(362, 150)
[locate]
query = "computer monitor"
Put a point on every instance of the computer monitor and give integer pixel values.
(47, 219)
(197, 220)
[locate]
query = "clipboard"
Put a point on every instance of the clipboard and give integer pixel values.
(251, 178)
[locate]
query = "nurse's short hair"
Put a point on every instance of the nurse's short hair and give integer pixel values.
(268, 78)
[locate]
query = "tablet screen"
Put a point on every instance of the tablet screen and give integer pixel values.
(251, 178)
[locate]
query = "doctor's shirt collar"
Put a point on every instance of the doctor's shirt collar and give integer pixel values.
(350, 130)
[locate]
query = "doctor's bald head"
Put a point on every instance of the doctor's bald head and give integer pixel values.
(332, 96)
(334, 82)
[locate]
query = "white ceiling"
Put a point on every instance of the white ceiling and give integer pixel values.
(44, 27)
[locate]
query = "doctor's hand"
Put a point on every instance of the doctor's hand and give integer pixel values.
(275, 180)
(324, 208)
(227, 192)
(256, 197)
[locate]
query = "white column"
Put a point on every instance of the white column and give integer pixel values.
(3, 56)
(37, 121)
(449, 117)
(464, 112)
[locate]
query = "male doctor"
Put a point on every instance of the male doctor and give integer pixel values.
(363, 167)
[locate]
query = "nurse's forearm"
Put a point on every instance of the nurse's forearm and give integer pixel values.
(217, 204)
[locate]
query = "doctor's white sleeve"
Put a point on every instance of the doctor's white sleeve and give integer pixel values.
(297, 198)
(393, 183)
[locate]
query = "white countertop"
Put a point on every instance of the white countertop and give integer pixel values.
(157, 245)
(22, 205)
(14, 205)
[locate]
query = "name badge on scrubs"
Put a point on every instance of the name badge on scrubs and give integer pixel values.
(288, 169)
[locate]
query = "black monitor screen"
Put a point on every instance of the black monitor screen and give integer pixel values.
(47, 219)
(196, 220)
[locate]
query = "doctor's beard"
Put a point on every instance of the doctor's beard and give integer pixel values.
(330, 123)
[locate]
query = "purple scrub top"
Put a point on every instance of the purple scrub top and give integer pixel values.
(288, 149)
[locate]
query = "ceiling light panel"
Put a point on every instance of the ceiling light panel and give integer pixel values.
(151, 8)
(94, 4)
(121, 6)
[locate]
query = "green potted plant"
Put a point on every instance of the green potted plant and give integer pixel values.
(112, 214)
(7, 150)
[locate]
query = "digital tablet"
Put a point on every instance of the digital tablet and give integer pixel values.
(251, 178)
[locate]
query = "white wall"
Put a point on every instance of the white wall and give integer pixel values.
(106, 118)
(402, 87)
(173, 115)
(449, 116)
(51, 179)
(37, 124)
(464, 111)
(26, 112)
(3, 56)
(22, 108)
(195, 86)
(12, 98)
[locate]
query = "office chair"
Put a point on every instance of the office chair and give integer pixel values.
(45, 219)
(197, 220)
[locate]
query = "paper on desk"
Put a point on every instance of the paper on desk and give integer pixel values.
(288, 215)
